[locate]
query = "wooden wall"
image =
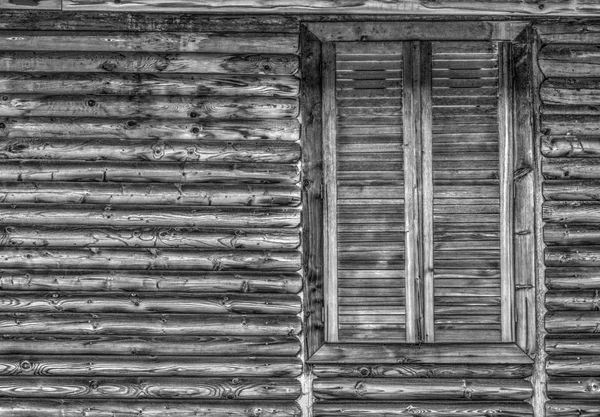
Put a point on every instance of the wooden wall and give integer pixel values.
(150, 212)
(570, 129)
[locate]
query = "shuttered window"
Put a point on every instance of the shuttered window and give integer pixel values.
(417, 202)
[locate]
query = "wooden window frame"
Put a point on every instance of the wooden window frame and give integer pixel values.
(517, 191)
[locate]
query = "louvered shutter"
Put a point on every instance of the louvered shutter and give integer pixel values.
(370, 191)
(466, 192)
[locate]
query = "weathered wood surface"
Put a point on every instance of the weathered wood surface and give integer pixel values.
(573, 366)
(153, 345)
(383, 389)
(145, 408)
(82, 302)
(149, 150)
(149, 281)
(148, 324)
(100, 258)
(31, 4)
(232, 42)
(141, 366)
(140, 128)
(148, 62)
(571, 212)
(568, 409)
(573, 345)
(454, 408)
(574, 388)
(571, 190)
(144, 22)
(573, 321)
(159, 107)
(573, 278)
(142, 216)
(150, 387)
(439, 353)
(149, 84)
(569, 60)
(422, 371)
(452, 7)
(136, 194)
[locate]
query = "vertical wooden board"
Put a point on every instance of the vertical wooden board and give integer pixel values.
(426, 120)
(312, 198)
(413, 197)
(330, 243)
(505, 120)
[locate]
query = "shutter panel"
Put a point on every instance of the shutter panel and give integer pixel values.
(370, 192)
(466, 187)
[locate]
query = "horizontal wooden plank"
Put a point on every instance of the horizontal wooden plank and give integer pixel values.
(453, 408)
(383, 389)
(568, 32)
(85, 302)
(570, 409)
(389, 31)
(439, 353)
(571, 212)
(573, 366)
(573, 278)
(572, 321)
(200, 130)
(149, 237)
(422, 371)
(95, 258)
(570, 91)
(91, 215)
(145, 408)
(570, 124)
(143, 22)
(155, 345)
(148, 324)
(571, 146)
(149, 281)
(572, 256)
(149, 150)
(143, 366)
(572, 234)
(572, 345)
(35, 5)
(150, 387)
(147, 62)
(148, 172)
(158, 107)
(571, 190)
(68, 41)
(568, 60)
(267, 195)
(148, 84)
(573, 388)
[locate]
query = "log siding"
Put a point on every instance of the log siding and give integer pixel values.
(569, 96)
(150, 222)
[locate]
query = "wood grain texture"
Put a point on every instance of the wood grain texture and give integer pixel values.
(570, 409)
(573, 322)
(159, 107)
(142, 128)
(148, 324)
(383, 389)
(573, 345)
(145, 408)
(453, 408)
(97, 258)
(147, 62)
(573, 278)
(82, 302)
(153, 345)
(140, 366)
(149, 281)
(149, 84)
(574, 388)
(135, 194)
(31, 4)
(452, 7)
(232, 42)
(422, 371)
(573, 366)
(150, 387)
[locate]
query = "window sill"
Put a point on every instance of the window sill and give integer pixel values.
(442, 353)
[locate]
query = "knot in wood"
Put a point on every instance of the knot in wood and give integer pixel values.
(230, 396)
(364, 371)
(2, 125)
(4, 98)
(26, 365)
(91, 103)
